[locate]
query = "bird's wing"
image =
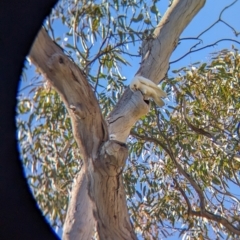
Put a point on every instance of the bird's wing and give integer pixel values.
(148, 88)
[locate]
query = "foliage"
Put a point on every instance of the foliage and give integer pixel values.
(49, 152)
(190, 154)
(97, 38)
(183, 159)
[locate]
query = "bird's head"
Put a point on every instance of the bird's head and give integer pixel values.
(134, 87)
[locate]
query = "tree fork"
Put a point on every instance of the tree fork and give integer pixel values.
(98, 197)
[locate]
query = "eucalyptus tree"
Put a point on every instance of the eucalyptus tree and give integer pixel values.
(167, 170)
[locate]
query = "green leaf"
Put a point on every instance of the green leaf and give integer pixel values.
(139, 194)
(122, 60)
(216, 181)
(139, 18)
(154, 9)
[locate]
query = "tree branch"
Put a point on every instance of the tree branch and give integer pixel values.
(100, 187)
(203, 213)
(207, 29)
(98, 195)
(217, 218)
(72, 86)
(154, 65)
(207, 46)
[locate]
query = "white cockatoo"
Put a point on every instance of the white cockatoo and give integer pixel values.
(148, 88)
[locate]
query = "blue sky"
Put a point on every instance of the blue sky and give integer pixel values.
(208, 15)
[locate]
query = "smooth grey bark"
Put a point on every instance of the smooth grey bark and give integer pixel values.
(154, 65)
(98, 196)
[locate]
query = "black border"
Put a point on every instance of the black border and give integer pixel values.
(20, 218)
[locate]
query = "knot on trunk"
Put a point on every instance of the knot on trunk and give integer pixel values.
(112, 158)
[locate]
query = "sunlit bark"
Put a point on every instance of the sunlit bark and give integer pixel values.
(98, 196)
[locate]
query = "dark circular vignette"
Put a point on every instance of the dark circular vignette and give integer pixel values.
(20, 217)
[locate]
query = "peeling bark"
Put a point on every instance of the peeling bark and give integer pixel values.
(98, 196)
(108, 191)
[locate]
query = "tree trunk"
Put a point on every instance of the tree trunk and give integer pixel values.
(98, 196)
